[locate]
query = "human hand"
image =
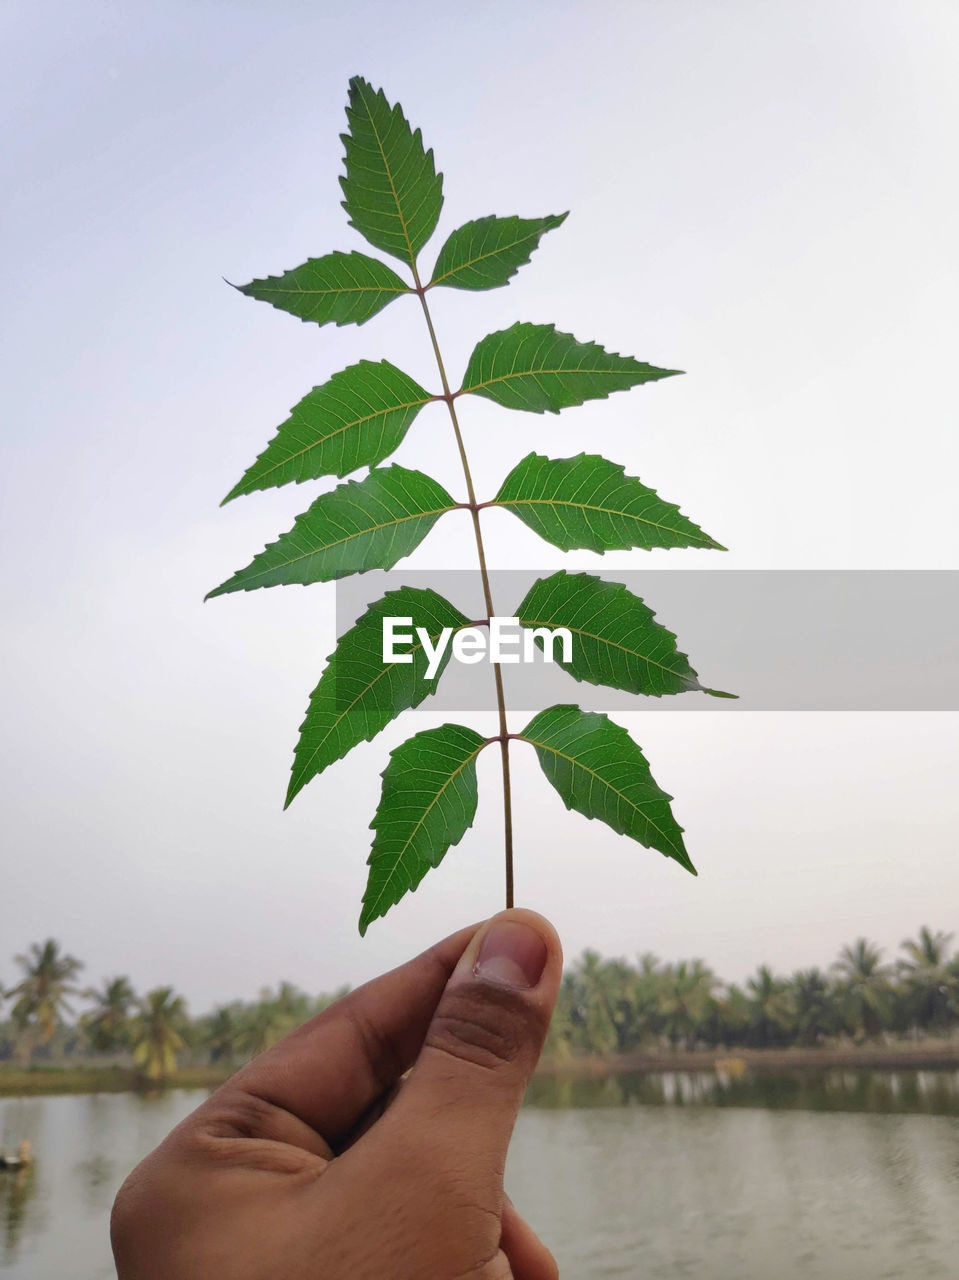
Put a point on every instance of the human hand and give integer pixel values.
(312, 1164)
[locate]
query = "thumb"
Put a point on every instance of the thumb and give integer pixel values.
(459, 1104)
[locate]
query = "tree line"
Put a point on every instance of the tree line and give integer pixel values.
(154, 1031)
(612, 1006)
(604, 1006)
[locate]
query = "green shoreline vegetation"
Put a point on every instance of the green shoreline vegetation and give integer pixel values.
(52, 1079)
(612, 1015)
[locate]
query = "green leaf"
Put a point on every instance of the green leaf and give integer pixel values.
(393, 193)
(486, 253)
(427, 805)
(600, 772)
(535, 367)
(360, 525)
(616, 639)
(587, 503)
(356, 419)
(358, 693)
(342, 288)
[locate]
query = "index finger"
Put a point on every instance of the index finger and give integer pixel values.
(330, 1070)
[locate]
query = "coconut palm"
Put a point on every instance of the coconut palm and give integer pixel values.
(261, 1025)
(40, 998)
(771, 1010)
(645, 992)
(157, 1033)
(107, 1024)
(813, 1006)
(559, 1037)
(294, 1005)
(731, 1018)
(931, 988)
(627, 1001)
(220, 1032)
(864, 988)
(592, 1007)
(686, 1000)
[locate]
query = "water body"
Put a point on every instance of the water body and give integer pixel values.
(802, 1176)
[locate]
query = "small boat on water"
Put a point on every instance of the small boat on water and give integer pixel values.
(18, 1159)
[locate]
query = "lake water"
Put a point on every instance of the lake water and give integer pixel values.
(799, 1176)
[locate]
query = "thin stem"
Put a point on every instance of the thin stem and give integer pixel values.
(504, 736)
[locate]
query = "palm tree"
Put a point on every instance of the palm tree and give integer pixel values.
(156, 1033)
(730, 1022)
(813, 1006)
(645, 993)
(771, 1009)
(930, 986)
(41, 995)
(592, 1010)
(261, 1025)
(560, 1034)
(626, 1001)
(108, 1024)
(294, 1005)
(686, 1000)
(863, 988)
(221, 1033)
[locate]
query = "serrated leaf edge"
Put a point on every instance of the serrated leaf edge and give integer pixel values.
(455, 774)
(291, 794)
(709, 544)
(340, 324)
(695, 687)
(416, 515)
(359, 83)
(239, 492)
(478, 387)
(556, 220)
(681, 856)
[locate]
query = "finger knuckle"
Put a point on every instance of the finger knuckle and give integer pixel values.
(488, 1029)
(238, 1113)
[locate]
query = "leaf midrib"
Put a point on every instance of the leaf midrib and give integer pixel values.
(359, 288)
(376, 528)
(578, 764)
(471, 262)
(387, 667)
(389, 175)
(535, 373)
(585, 506)
(346, 426)
(455, 774)
(612, 644)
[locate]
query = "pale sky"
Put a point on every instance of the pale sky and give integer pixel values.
(763, 195)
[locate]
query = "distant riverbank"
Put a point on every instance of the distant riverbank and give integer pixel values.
(20, 1081)
(902, 1055)
(25, 1081)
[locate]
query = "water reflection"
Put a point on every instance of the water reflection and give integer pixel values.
(20, 1211)
(97, 1176)
(16, 1191)
(54, 1215)
(803, 1089)
(721, 1176)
